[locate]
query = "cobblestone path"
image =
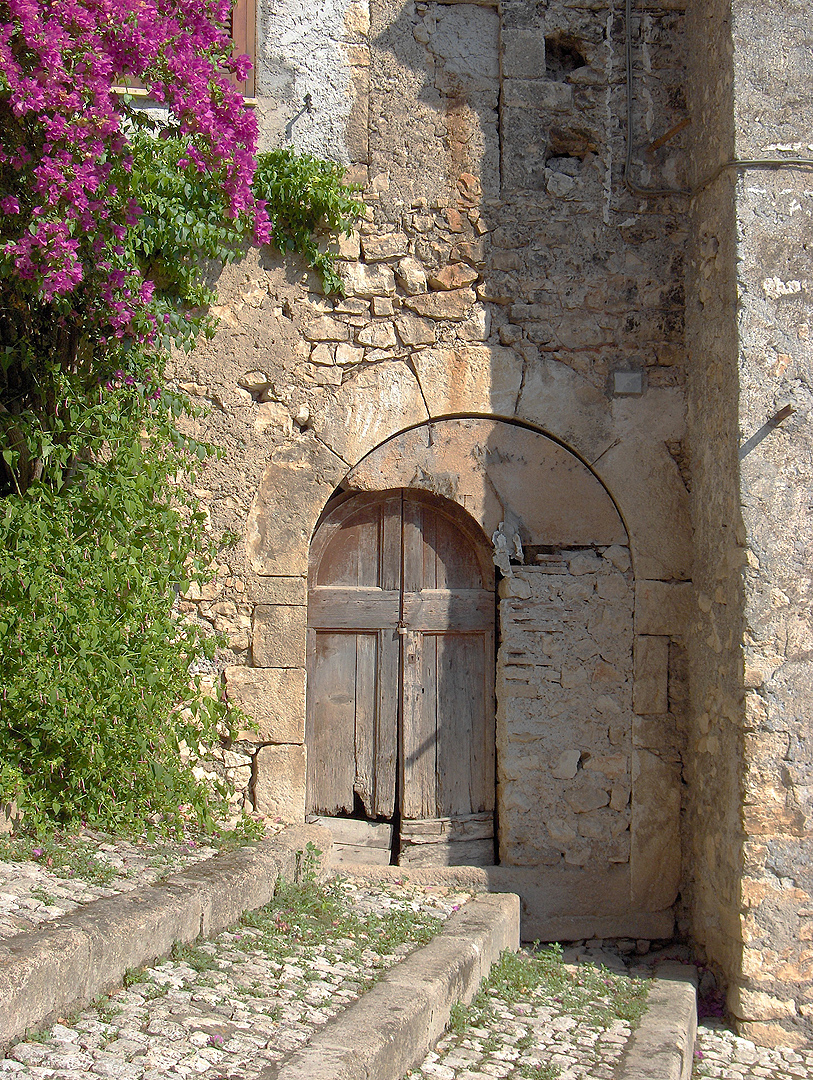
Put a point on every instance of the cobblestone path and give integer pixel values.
(721, 1053)
(33, 892)
(225, 1008)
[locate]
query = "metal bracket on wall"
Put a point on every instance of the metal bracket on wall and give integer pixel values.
(766, 429)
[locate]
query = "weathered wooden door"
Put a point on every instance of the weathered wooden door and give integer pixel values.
(401, 674)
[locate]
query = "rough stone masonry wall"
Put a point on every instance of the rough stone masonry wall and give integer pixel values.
(501, 270)
(753, 759)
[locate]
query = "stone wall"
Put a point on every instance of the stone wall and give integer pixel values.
(503, 284)
(748, 320)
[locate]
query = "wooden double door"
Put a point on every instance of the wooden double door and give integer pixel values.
(400, 724)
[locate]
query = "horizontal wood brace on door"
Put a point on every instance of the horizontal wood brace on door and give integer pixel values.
(333, 608)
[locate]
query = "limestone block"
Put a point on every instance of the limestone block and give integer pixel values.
(747, 1004)
(377, 247)
(296, 485)
(326, 328)
(490, 467)
(662, 607)
(452, 277)
(273, 697)
(542, 94)
(276, 590)
(348, 354)
(566, 765)
(279, 782)
(272, 415)
(562, 402)
(523, 54)
(413, 330)
(651, 675)
(278, 637)
(383, 305)
(378, 335)
(587, 795)
(655, 828)
(453, 305)
(477, 327)
(469, 378)
(372, 405)
(367, 281)
(411, 276)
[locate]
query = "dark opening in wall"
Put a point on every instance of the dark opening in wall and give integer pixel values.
(563, 54)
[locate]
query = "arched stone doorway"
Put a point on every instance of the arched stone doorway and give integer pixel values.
(401, 711)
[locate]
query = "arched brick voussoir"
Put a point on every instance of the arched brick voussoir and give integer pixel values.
(560, 401)
(296, 484)
(469, 379)
(374, 404)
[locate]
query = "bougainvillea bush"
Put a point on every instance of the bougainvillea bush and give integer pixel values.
(108, 217)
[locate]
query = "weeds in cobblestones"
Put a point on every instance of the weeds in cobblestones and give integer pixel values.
(65, 856)
(593, 993)
(104, 1009)
(542, 1071)
(193, 956)
(133, 976)
(44, 897)
(309, 914)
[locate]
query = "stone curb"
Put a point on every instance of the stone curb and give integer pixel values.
(62, 966)
(391, 1027)
(662, 1046)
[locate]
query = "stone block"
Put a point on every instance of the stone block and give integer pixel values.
(539, 94)
(413, 330)
(368, 408)
(279, 782)
(655, 828)
(278, 637)
(368, 281)
(326, 328)
(276, 590)
(453, 305)
(411, 276)
(747, 1004)
(650, 693)
(296, 485)
(377, 248)
(523, 54)
(662, 607)
(273, 697)
(457, 276)
(469, 378)
(378, 335)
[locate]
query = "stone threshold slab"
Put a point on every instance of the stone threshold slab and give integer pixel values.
(62, 966)
(393, 1025)
(557, 905)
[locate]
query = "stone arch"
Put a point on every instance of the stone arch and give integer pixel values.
(499, 469)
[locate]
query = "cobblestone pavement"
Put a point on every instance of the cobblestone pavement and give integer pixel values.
(33, 891)
(227, 1007)
(721, 1053)
(535, 1036)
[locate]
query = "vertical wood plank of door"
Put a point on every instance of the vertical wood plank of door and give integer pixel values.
(331, 741)
(365, 720)
(386, 735)
(464, 723)
(418, 742)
